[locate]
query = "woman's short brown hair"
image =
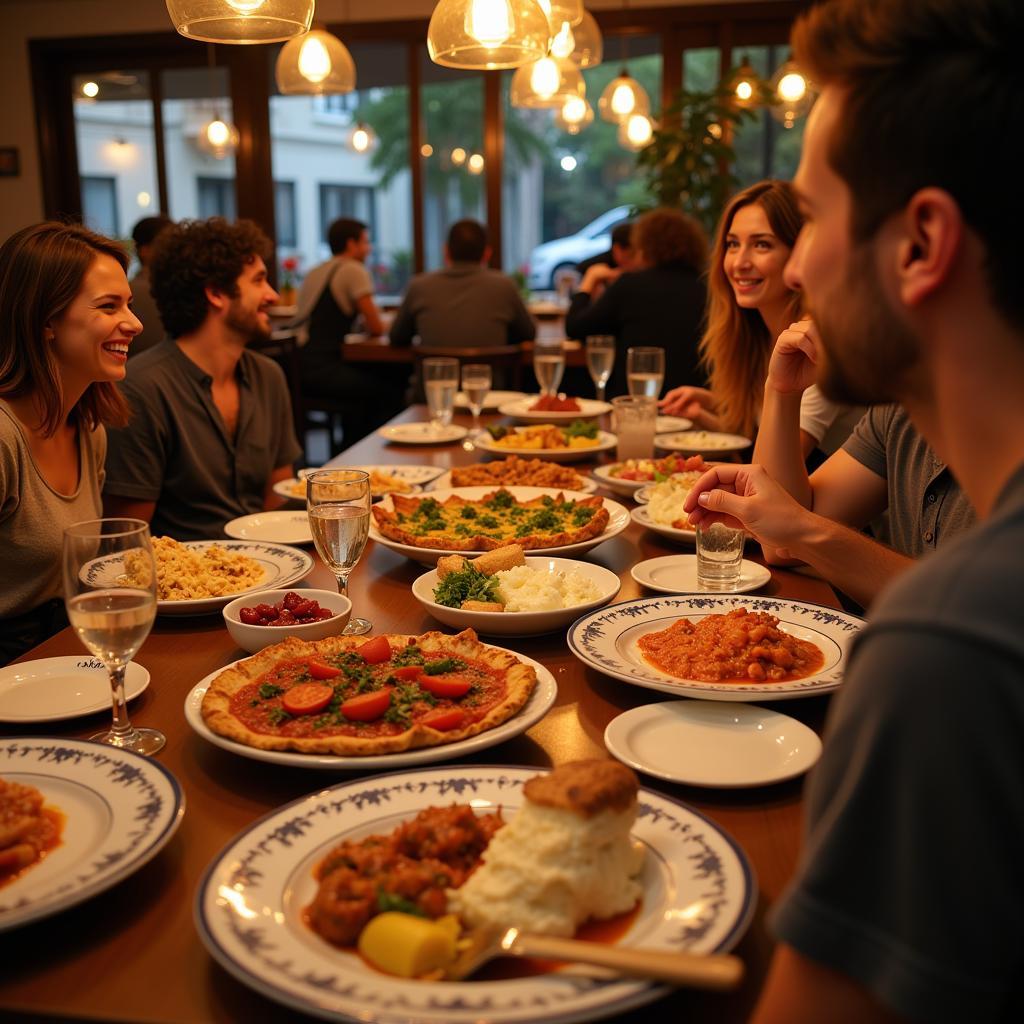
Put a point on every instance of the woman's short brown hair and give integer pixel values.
(41, 271)
(666, 235)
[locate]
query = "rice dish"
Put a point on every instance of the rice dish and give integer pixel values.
(184, 573)
(666, 501)
(524, 589)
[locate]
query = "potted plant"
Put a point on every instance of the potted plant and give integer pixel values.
(287, 291)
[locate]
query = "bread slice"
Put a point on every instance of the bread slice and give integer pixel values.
(449, 564)
(506, 557)
(482, 606)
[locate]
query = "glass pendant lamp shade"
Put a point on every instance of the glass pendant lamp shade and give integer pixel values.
(315, 63)
(241, 21)
(218, 137)
(582, 43)
(487, 34)
(636, 131)
(622, 97)
(790, 93)
(558, 11)
(745, 85)
(574, 115)
(546, 83)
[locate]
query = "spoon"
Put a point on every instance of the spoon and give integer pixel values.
(713, 971)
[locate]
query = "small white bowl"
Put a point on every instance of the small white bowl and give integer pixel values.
(522, 623)
(255, 638)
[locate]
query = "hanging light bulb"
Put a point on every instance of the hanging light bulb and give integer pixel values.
(574, 115)
(563, 42)
(636, 131)
(588, 48)
(745, 85)
(241, 21)
(90, 89)
(218, 134)
(791, 94)
(475, 164)
(217, 137)
(623, 96)
(362, 139)
(546, 83)
(458, 156)
(487, 34)
(559, 11)
(317, 63)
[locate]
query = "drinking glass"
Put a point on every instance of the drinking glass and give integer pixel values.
(338, 505)
(719, 556)
(548, 365)
(645, 371)
(600, 360)
(634, 418)
(110, 595)
(476, 383)
(440, 382)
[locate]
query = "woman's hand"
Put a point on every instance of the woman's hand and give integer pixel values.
(695, 404)
(793, 367)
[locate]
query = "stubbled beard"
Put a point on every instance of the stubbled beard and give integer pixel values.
(250, 325)
(866, 350)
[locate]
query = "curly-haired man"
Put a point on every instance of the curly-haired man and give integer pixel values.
(211, 429)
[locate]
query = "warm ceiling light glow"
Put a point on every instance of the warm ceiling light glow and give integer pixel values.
(744, 90)
(361, 138)
(623, 100)
(575, 109)
(588, 46)
(792, 87)
(458, 156)
(564, 42)
(317, 63)
(246, 6)
(636, 131)
(218, 133)
(487, 34)
(568, 163)
(489, 22)
(426, 149)
(715, 130)
(90, 89)
(241, 21)
(314, 60)
(559, 11)
(546, 83)
(623, 96)
(475, 164)
(544, 78)
(144, 199)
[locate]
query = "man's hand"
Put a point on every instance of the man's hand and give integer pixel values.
(793, 367)
(747, 496)
(598, 277)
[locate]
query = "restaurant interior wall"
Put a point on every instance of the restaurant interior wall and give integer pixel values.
(682, 28)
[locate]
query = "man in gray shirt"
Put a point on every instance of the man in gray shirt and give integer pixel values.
(211, 429)
(466, 305)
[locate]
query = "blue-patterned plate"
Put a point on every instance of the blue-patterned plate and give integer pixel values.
(120, 809)
(699, 896)
(606, 640)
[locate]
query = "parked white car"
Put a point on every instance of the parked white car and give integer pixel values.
(549, 260)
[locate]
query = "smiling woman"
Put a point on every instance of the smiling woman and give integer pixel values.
(65, 328)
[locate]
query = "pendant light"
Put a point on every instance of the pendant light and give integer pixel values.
(241, 21)
(546, 83)
(636, 131)
(745, 85)
(487, 34)
(362, 138)
(317, 63)
(559, 11)
(217, 137)
(582, 43)
(791, 94)
(623, 96)
(574, 115)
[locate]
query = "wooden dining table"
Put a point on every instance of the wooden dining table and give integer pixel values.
(133, 953)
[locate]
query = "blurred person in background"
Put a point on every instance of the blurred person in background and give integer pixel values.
(144, 234)
(619, 258)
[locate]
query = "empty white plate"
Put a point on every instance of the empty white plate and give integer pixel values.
(422, 433)
(712, 743)
(272, 527)
(50, 689)
(677, 574)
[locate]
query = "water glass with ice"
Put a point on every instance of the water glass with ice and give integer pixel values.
(719, 556)
(645, 371)
(634, 418)
(548, 365)
(440, 382)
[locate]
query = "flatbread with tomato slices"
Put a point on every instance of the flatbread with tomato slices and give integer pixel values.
(496, 519)
(356, 697)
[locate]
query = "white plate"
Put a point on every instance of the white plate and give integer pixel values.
(492, 401)
(618, 521)
(605, 442)
(701, 442)
(282, 566)
(627, 487)
(712, 743)
(590, 408)
(521, 623)
(274, 527)
(541, 700)
(422, 433)
(50, 689)
(444, 483)
(677, 574)
(642, 515)
(606, 640)
(642, 495)
(417, 477)
(699, 896)
(120, 809)
(670, 424)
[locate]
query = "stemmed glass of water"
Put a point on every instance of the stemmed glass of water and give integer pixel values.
(645, 371)
(440, 382)
(338, 505)
(110, 595)
(476, 383)
(600, 360)
(548, 365)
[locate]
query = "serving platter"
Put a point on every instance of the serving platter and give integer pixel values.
(606, 640)
(538, 705)
(282, 566)
(120, 810)
(618, 521)
(519, 409)
(699, 896)
(605, 442)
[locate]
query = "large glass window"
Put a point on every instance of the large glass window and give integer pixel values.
(216, 197)
(562, 193)
(284, 213)
(116, 151)
(702, 68)
(311, 149)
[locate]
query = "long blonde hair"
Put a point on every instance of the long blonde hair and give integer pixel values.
(737, 344)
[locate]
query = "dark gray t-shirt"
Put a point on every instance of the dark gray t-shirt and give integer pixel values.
(926, 505)
(912, 875)
(177, 452)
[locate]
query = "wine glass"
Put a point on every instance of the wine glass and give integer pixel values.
(645, 371)
(548, 365)
(476, 383)
(440, 382)
(338, 504)
(110, 596)
(600, 360)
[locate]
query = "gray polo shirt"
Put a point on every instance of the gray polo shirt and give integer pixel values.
(926, 505)
(911, 879)
(177, 452)
(463, 306)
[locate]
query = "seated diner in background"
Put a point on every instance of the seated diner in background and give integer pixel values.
(465, 305)
(659, 304)
(749, 305)
(144, 234)
(211, 429)
(620, 257)
(65, 330)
